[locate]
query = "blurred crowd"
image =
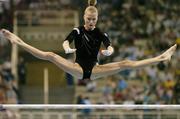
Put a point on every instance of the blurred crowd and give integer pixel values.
(7, 85)
(138, 29)
(142, 29)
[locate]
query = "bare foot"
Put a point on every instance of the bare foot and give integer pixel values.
(10, 36)
(167, 54)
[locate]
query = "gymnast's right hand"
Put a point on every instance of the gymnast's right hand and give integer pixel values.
(67, 49)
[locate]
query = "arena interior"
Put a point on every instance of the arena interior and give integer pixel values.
(138, 29)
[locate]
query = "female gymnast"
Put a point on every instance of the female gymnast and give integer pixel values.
(87, 41)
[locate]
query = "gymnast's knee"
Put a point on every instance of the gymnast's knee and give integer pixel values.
(50, 55)
(128, 63)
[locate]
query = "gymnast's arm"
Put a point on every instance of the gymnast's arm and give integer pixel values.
(106, 41)
(68, 40)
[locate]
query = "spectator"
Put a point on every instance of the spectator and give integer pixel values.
(91, 86)
(80, 99)
(86, 111)
(3, 89)
(176, 95)
(107, 94)
(22, 71)
(122, 84)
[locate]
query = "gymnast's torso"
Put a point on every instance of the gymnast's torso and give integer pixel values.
(87, 44)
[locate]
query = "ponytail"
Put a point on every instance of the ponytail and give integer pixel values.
(91, 7)
(92, 2)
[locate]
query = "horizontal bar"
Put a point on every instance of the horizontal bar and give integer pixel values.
(68, 106)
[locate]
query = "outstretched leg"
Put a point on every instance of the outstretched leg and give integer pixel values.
(98, 70)
(62, 63)
(115, 67)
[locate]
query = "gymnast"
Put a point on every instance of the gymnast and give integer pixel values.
(87, 40)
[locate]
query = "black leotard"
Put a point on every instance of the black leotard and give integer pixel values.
(87, 44)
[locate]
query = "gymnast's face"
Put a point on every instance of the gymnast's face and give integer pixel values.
(90, 19)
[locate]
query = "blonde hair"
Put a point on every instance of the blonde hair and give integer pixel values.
(92, 2)
(91, 7)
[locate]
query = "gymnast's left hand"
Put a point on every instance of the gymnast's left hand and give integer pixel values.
(108, 52)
